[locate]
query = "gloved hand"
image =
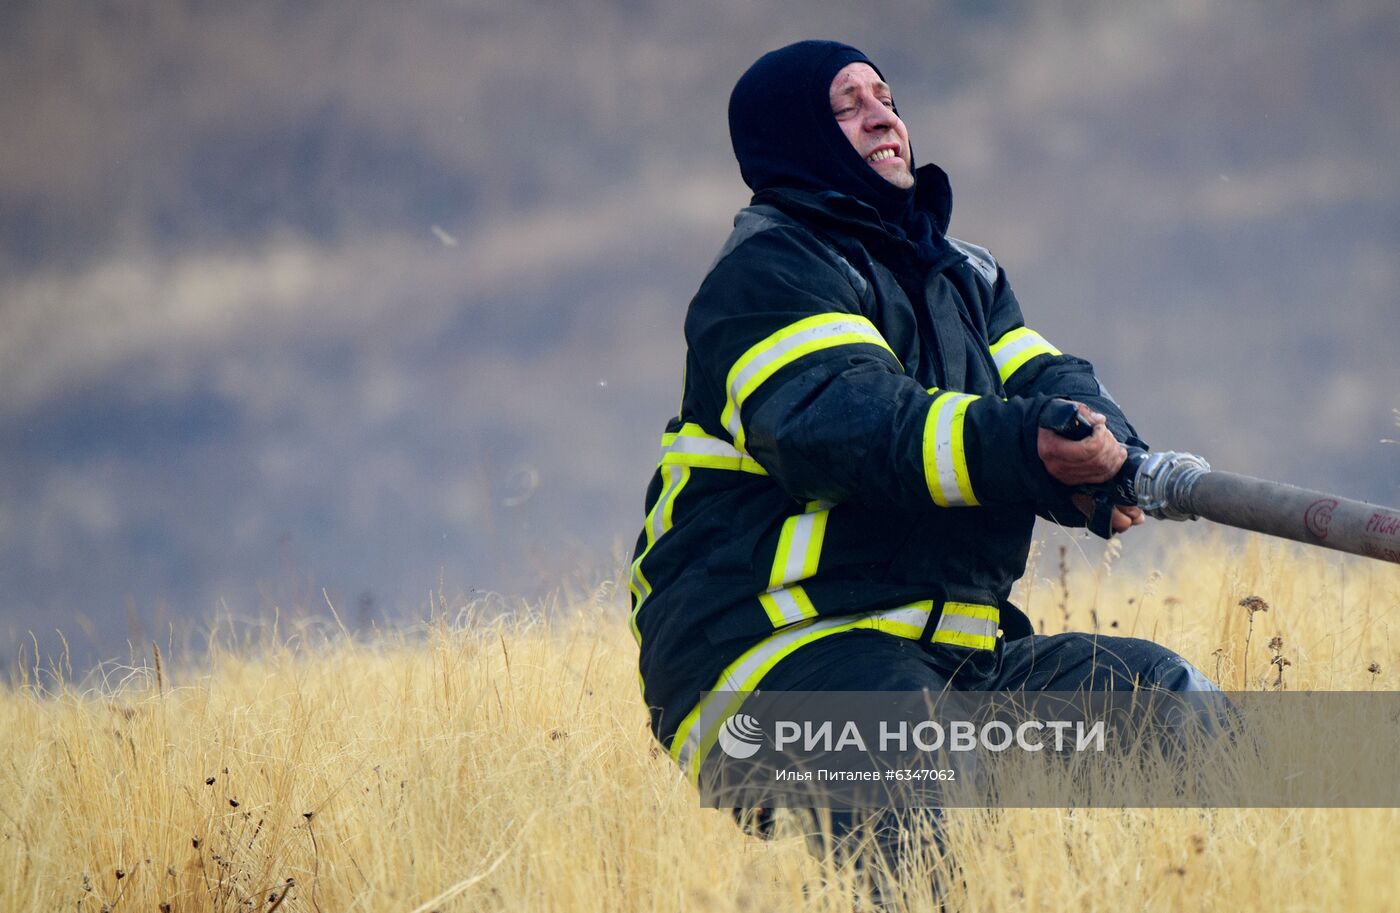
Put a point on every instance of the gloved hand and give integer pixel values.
(1077, 449)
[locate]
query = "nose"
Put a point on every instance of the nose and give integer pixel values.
(879, 116)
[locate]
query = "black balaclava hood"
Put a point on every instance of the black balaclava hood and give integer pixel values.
(785, 136)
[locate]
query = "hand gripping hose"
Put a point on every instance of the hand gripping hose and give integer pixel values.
(1182, 486)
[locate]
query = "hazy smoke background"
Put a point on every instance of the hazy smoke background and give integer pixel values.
(381, 297)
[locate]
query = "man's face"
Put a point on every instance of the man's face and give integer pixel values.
(864, 109)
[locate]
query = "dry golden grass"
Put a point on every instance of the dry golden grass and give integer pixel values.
(505, 765)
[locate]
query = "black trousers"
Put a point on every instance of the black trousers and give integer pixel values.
(872, 661)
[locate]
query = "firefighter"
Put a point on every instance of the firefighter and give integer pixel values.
(847, 494)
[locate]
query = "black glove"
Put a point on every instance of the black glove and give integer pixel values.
(1062, 417)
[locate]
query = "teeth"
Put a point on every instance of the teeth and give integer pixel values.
(881, 155)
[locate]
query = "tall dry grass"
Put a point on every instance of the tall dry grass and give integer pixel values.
(505, 765)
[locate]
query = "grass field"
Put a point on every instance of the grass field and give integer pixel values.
(505, 764)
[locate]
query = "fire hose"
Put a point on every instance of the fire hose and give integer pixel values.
(1182, 486)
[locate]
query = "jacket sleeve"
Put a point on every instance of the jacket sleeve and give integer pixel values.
(1029, 365)
(797, 376)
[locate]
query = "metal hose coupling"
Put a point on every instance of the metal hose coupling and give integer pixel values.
(1164, 481)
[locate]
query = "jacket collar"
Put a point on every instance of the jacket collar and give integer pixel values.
(837, 213)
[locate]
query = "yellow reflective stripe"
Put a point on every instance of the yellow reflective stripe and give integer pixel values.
(800, 545)
(972, 610)
(661, 518)
(698, 731)
(787, 605)
(641, 589)
(965, 624)
(681, 451)
(963, 639)
(764, 359)
(779, 574)
(945, 451)
(1016, 348)
(691, 446)
(797, 557)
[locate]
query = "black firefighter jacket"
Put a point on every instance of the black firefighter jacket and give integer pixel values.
(857, 432)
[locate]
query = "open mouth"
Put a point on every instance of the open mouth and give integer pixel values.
(880, 155)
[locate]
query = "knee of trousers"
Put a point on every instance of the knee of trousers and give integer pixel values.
(1148, 664)
(1169, 671)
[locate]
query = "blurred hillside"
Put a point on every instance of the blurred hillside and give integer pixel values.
(374, 299)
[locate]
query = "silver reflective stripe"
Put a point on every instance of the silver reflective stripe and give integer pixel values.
(657, 523)
(660, 512)
(641, 591)
(768, 359)
(1017, 347)
(1007, 353)
(641, 587)
(703, 446)
(691, 446)
(981, 627)
(946, 455)
(789, 611)
(794, 568)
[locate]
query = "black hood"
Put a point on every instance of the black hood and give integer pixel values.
(785, 137)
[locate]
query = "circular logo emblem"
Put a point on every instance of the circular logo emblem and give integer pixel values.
(741, 736)
(1318, 517)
